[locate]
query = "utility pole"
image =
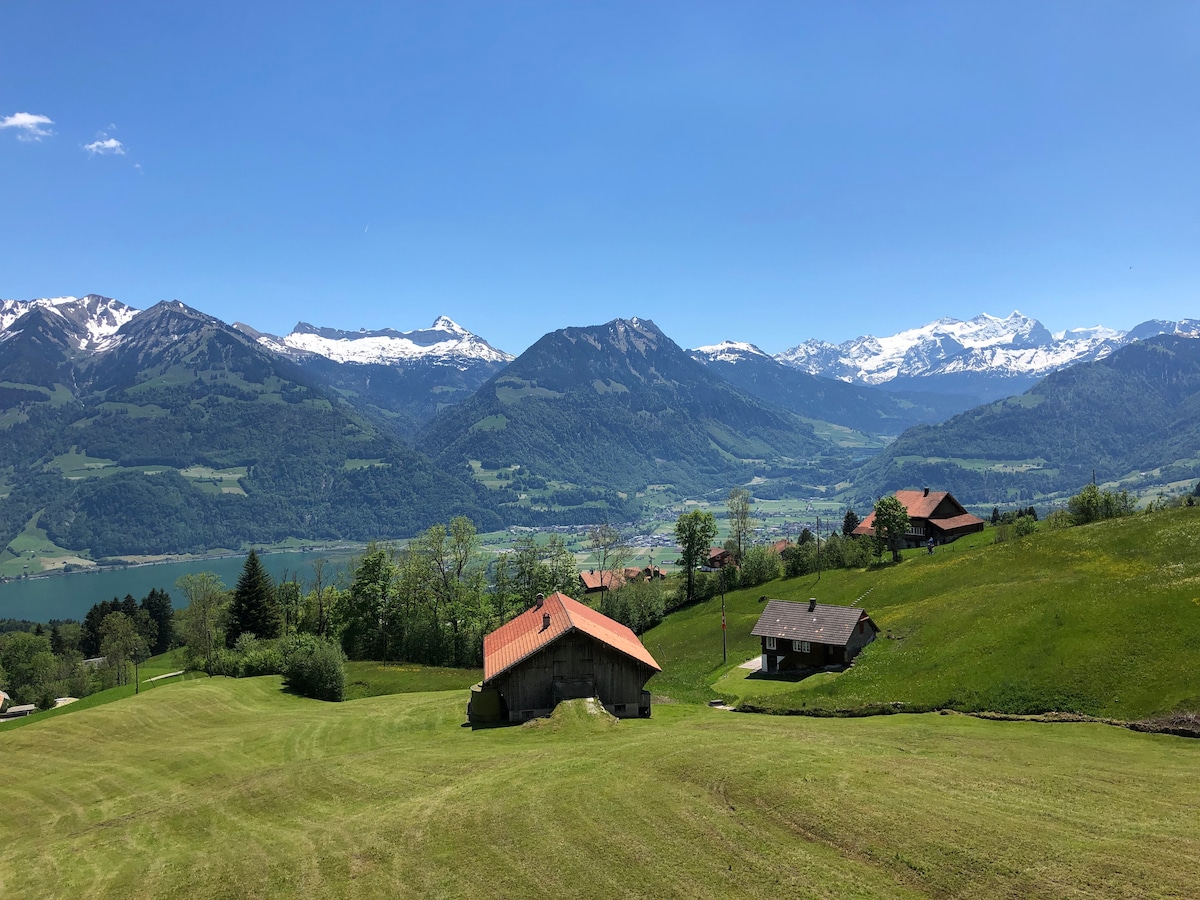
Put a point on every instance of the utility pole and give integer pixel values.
(818, 548)
(724, 643)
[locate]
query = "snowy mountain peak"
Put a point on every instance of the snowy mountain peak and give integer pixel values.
(1005, 347)
(729, 351)
(94, 319)
(445, 342)
(445, 323)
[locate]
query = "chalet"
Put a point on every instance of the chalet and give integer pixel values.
(719, 558)
(560, 649)
(931, 514)
(781, 545)
(595, 581)
(812, 635)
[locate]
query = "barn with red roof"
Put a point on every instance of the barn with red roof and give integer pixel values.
(931, 514)
(560, 649)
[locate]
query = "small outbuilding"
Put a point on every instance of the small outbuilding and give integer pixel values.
(560, 649)
(812, 635)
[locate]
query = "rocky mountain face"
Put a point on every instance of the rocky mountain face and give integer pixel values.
(445, 342)
(405, 377)
(87, 321)
(864, 408)
(987, 357)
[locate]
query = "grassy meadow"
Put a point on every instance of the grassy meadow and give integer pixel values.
(224, 788)
(216, 787)
(1101, 619)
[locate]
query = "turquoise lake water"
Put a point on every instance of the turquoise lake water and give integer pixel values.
(71, 596)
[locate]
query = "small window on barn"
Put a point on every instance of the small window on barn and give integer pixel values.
(802, 646)
(770, 643)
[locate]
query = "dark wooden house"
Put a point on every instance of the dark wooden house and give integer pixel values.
(931, 514)
(558, 650)
(812, 635)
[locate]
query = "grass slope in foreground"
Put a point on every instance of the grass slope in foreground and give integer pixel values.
(1102, 619)
(222, 788)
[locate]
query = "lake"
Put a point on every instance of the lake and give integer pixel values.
(71, 596)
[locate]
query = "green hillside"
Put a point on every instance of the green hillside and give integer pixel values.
(1101, 619)
(222, 788)
(188, 436)
(605, 411)
(1132, 418)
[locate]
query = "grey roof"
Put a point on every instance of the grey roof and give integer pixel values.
(823, 625)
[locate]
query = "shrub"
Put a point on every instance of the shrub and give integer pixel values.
(760, 566)
(314, 668)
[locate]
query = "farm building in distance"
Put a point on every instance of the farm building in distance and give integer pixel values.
(558, 650)
(596, 580)
(931, 514)
(812, 635)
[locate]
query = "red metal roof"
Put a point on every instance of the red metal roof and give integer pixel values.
(526, 634)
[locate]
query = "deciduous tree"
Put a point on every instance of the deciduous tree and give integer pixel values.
(202, 621)
(120, 641)
(891, 522)
(694, 532)
(740, 523)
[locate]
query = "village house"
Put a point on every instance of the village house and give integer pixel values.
(595, 581)
(559, 649)
(812, 635)
(931, 514)
(719, 558)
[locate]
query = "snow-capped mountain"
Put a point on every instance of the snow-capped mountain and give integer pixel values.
(444, 342)
(727, 352)
(93, 320)
(987, 353)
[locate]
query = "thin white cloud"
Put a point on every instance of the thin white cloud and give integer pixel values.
(30, 127)
(106, 147)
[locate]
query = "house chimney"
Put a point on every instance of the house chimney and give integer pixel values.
(812, 603)
(545, 621)
(541, 598)
(926, 492)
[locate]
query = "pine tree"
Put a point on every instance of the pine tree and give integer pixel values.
(254, 609)
(849, 522)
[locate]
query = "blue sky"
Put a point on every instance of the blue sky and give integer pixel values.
(759, 171)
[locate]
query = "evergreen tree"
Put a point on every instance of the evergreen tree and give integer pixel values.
(995, 515)
(254, 609)
(850, 522)
(157, 605)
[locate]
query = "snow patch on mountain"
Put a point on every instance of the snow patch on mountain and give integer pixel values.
(94, 319)
(445, 342)
(1009, 346)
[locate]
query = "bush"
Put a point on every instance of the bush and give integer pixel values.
(314, 668)
(639, 605)
(760, 566)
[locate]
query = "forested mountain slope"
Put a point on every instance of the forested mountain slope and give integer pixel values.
(617, 407)
(184, 435)
(1136, 411)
